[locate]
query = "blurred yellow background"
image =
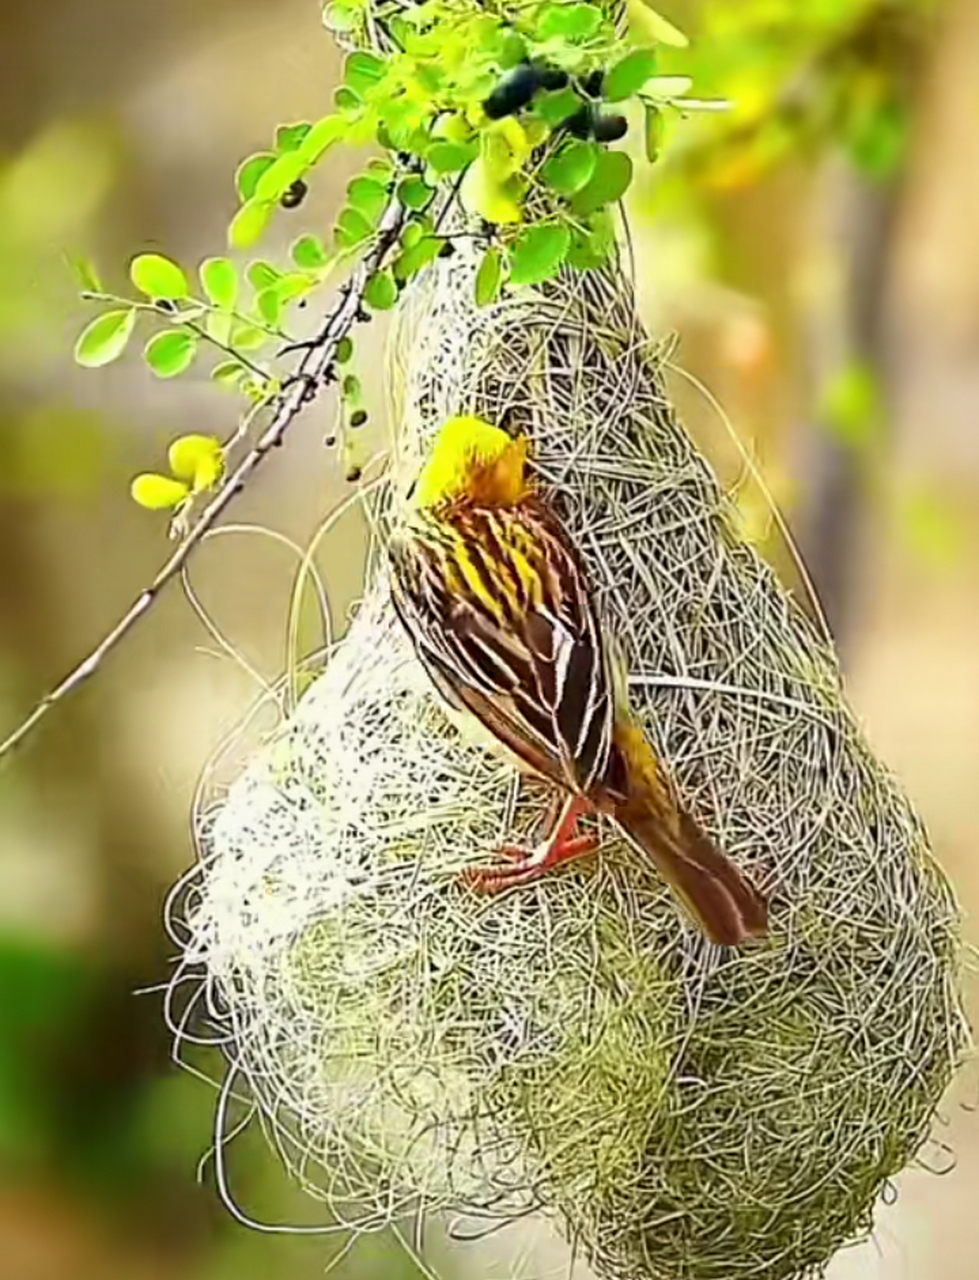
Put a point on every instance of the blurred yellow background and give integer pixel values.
(827, 296)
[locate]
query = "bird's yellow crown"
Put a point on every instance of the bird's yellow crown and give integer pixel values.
(474, 461)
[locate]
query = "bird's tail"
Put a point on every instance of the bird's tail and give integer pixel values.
(726, 905)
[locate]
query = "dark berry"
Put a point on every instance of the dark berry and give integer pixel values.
(592, 83)
(610, 128)
(329, 441)
(514, 92)
(358, 417)
(296, 194)
(552, 78)
(354, 474)
(579, 125)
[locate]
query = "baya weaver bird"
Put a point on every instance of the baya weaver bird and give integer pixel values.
(498, 606)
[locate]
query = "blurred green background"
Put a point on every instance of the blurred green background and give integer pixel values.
(815, 248)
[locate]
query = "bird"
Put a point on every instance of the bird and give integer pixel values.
(496, 600)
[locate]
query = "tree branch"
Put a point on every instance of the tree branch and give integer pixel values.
(308, 380)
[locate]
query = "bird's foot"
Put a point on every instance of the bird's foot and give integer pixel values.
(562, 844)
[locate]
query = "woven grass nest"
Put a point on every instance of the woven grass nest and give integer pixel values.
(683, 1112)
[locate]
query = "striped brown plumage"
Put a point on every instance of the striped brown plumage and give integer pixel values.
(498, 605)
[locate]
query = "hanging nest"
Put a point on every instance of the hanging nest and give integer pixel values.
(684, 1112)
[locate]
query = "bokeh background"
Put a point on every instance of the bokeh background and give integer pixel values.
(816, 251)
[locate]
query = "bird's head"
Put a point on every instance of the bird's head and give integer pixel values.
(474, 461)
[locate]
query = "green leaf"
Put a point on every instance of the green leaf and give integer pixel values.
(344, 351)
(262, 274)
(489, 278)
(667, 88)
(350, 388)
(381, 168)
(362, 71)
(290, 137)
(662, 30)
(628, 75)
(85, 273)
(652, 131)
(352, 228)
(450, 157)
(309, 253)
(538, 252)
(381, 291)
(268, 304)
(218, 326)
(493, 200)
(342, 17)
(250, 171)
(158, 277)
(555, 107)
(609, 182)
(219, 280)
(171, 352)
(590, 247)
(105, 339)
(413, 193)
(368, 197)
(571, 168)
(158, 493)
(417, 256)
(452, 128)
(346, 99)
(321, 137)
(511, 50)
(247, 337)
(295, 284)
(569, 21)
(229, 373)
(249, 223)
(279, 177)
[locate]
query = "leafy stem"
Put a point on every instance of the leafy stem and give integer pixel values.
(310, 377)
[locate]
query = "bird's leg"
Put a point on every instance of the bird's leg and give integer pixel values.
(561, 844)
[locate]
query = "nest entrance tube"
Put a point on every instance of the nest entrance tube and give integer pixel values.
(682, 1111)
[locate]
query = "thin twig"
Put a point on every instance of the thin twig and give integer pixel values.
(310, 377)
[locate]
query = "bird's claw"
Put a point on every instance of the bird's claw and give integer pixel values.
(526, 865)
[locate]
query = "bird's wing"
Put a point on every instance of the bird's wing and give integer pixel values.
(500, 613)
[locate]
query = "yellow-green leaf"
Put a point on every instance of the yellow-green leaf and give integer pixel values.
(381, 291)
(279, 177)
(219, 280)
(610, 181)
(105, 339)
(197, 460)
(661, 29)
(538, 252)
(491, 199)
(249, 223)
(321, 137)
(362, 71)
(629, 75)
(158, 277)
(171, 352)
(250, 171)
(667, 87)
(572, 167)
(571, 21)
(489, 277)
(158, 493)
